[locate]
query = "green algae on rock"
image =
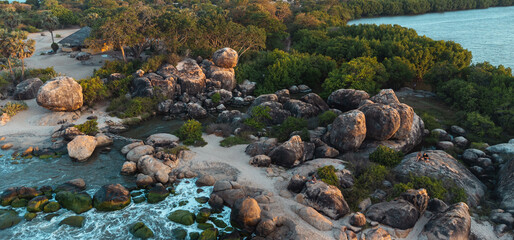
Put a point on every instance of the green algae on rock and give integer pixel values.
(182, 216)
(76, 202)
(140, 230)
(74, 221)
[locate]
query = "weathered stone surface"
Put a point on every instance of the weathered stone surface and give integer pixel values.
(442, 166)
(382, 121)
(226, 78)
(153, 167)
(315, 100)
(348, 131)
(196, 111)
(82, 147)
(141, 87)
(190, 77)
(397, 214)
(283, 95)
(301, 109)
(162, 140)
(454, 223)
(406, 119)
(8, 218)
(436, 206)
(326, 151)
(346, 99)
(136, 153)
(276, 111)
(76, 202)
(358, 219)
(60, 94)
(262, 147)
(140, 230)
(75, 185)
(289, 153)
(385, 96)
(37, 204)
(111, 197)
(157, 193)
(505, 186)
(377, 234)
(143, 181)
(314, 218)
(27, 89)
(126, 149)
(225, 58)
(297, 183)
(419, 198)
(205, 180)
(246, 213)
(444, 145)
(103, 140)
(265, 98)
(326, 199)
(260, 161)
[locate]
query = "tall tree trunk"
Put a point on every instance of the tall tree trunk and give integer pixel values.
(10, 70)
(52, 34)
(123, 53)
(22, 69)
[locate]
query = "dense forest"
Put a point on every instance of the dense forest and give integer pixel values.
(282, 43)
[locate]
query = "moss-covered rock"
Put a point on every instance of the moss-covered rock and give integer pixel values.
(140, 230)
(50, 216)
(76, 202)
(8, 196)
(218, 222)
(182, 216)
(179, 233)
(204, 226)
(135, 194)
(17, 202)
(157, 193)
(202, 200)
(139, 199)
(183, 203)
(52, 207)
(209, 234)
(13, 193)
(37, 204)
(194, 235)
(47, 191)
(111, 197)
(74, 221)
(8, 218)
(29, 216)
(203, 215)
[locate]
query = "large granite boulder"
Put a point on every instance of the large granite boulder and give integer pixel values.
(316, 100)
(196, 111)
(81, 147)
(190, 77)
(60, 94)
(454, 223)
(265, 98)
(262, 147)
(419, 198)
(137, 152)
(276, 111)
(162, 140)
(153, 167)
(288, 154)
(348, 131)
(246, 213)
(346, 99)
(397, 214)
(27, 89)
(325, 198)
(225, 76)
(111, 197)
(301, 109)
(406, 119)
(505, 186)
(385, 96)
(141, 87)
(314, 218)
(382, 121)
(8, 218)
(442, 165)
(76, 202)
(225, 58)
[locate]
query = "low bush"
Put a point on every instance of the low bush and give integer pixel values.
(13, 108)
(386, 156)
(436, 188)
(479, 145)
(176, 150)
(128, 108)
(117, 66)
(216, 97)
(430, 121)
(191, 133)
(234, 140)
(327, 118)
(90, 127)
(44, 74)
(153, 63)
(431, 140)
(93, 90)
(327, 174)
(258, 117)
(292, 124)
(369, 180)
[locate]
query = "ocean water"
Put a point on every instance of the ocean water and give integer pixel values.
(487, 33)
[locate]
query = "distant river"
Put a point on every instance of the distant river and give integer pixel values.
(487, 33)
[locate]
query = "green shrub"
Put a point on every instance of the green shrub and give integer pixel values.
(291, 124)
(117, 66)
(436, 188)
(258, 117)
(58, 35)
(386, 156)
(234, 140)
(216, 97)
(30, 29)
(93, 90)
(327, 118)
(153, 63)
(13, 108)
(481, 125)
(327, 174)
(430, 121)
(479, 145)
(119, 87)
(176, 150)
(370, 179)
(44, 74)
(457, 194)
(138, 106)
(54, 47)
(191, 133)
(90, 127)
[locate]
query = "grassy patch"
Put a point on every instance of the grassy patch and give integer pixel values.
(176, 150)
(13, 108)
(234, 140)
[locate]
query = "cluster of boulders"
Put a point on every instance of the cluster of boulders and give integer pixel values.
(361, 125)
(152, 159)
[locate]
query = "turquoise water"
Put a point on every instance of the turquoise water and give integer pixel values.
(487, 33)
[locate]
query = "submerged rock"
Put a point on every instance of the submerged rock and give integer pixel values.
(8, 218)
(182, 217)
(157, 193)
(76, 202)
(60, 94)
(37, 204)
(140, 230)
(74, 221)
(111, 197)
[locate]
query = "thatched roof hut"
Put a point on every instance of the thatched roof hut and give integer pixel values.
(76, 39)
